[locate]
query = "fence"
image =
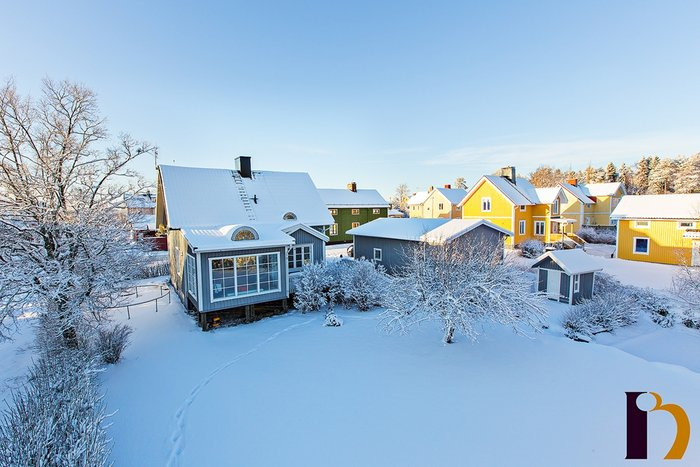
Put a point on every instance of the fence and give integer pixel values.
(164, 292)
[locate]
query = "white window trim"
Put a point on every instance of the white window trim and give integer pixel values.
(193, 273)
(523, 208)
(636, 225)
(374, 254)
(680, 227)
(355, 226)
(634, 246)
(355, 212)
(577, 283)
(235, 277)
(488, 200)
(332, 232)
(556, 205)
(301, 245)
(333, 211)
(376, 211)
(522, 227)
(544, 228)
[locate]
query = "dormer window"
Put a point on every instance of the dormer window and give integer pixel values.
(244, 233)
(555, 206)
(290, 216)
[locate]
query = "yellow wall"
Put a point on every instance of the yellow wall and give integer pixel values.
(501, 212)
(599, 213)
(415, 210)
(430, 208)
(666, 242)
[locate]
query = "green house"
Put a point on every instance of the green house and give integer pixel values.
(351, 208)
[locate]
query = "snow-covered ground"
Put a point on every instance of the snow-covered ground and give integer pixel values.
(288, 391)
(335, 251)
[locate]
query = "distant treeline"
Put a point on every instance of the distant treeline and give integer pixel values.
(651, 175)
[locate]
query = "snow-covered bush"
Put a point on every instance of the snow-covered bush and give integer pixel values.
(111, 342)
(593, 235)
(336, 274)
(654, 305)
(609, 309)
(58, 417)
(686, 285)
(310, 294)
(364, 284)
(332, 319)
(462, 285)
(532, 248)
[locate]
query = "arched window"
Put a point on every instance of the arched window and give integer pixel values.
(244, 233)
(290, 216)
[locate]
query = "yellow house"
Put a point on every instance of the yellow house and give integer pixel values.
(659, 228)
(592, 203)
(437, 203)
(514, 204)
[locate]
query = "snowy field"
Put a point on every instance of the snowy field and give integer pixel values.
(288, 391)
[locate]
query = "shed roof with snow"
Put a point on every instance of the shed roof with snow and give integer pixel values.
(426, 230)
(671, 206)
(574, 261)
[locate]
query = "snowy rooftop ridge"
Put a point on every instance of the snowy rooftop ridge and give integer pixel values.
(342, 197)
(577, 192)
(455, 228)
(418, 198)
(204, 197)
(671, 206)
(417, 229)
(574, 261)
(453, 195)
(601, 189)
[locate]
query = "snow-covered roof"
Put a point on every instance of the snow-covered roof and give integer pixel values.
(398, 228)
(522, 193)
(143, 221)
(417, 229)
(219, 238)
(601, 189)
(577, 192)
(418, 198)
(338, 198)
(672, 206)
(204, 197)
(547, 195)
(396, 213)
(453, 195)
(455, 228)
(574, 261)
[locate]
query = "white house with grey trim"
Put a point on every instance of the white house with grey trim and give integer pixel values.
(237, 237)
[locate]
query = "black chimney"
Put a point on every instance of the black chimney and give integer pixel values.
(243, 166)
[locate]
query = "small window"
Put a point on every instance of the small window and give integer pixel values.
(290, 216)
(441, 206)
(334, 212)
(355, 212)
(522, 227)
(299, 256)
(641, 224)
(683, 225)
(333, 231)
(377, 254)
(539, 228)
(355, 224)
(641, 245)
(485, 204)
(523, 208)
(577, 283)
(191, 275)
(244, 233)
(375, 211)
(555, 206)
(554, 227)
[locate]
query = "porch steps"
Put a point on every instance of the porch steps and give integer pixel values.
(243, 195)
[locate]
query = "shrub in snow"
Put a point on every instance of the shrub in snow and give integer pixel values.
(332, 319)
(111, 342)
(593, 235)
(364, 284)
(310, 293)
(461, 285)
(57, 418)
(336, 274)
(686, 285)
(654, 305)
(532, 248)
(605, 312)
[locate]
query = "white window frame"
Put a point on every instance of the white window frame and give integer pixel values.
(191, 275)
(681, 227)
(441, 206)
(577, 283)
(235, 276)
(642, 224)
(375, 256)
(523, 208)
(333, 230)
(333, 211)
(634, 246)
(555, 206)
(376, 211)
(486, 203)
(554, 227)
(355, 225)
(301, 246)
(544, 228)
(355, 212)
(522, 227)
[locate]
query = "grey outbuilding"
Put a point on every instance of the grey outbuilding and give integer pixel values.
(567, 276)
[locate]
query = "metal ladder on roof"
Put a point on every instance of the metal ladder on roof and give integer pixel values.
(243, 195)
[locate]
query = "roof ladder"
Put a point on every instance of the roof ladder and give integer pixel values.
(243, 195)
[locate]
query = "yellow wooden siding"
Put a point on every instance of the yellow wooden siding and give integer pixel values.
(501, 212)
(432, 209)
(666, 242)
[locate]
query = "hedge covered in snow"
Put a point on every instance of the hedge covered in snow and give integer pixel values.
(593, 235)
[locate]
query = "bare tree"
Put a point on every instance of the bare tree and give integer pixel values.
(64, 250)
(462, 285)
(400, 198)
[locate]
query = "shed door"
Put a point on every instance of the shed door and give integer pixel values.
(553, 284)
(695, 260)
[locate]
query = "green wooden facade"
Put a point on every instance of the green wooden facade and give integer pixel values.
(344, 218)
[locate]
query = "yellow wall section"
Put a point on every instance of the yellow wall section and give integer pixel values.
(666, 242)
(431, 207)
(501, 212)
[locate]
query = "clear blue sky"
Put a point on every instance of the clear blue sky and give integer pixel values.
(377, 92)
